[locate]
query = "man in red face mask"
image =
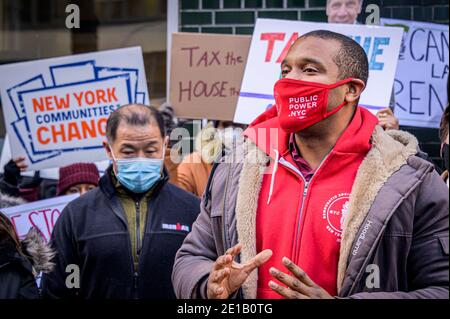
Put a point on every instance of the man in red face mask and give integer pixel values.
(319, 201)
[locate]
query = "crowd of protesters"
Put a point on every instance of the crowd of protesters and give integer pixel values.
(244, 214)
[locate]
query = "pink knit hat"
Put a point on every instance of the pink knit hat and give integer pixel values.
(78, 173)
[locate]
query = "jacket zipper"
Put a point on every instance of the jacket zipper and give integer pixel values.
(305, 192)
(117, 209)
(138, 248)
(297, 233)
(304, 196)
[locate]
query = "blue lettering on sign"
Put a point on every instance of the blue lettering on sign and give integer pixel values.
(374, 65)
(376, 50)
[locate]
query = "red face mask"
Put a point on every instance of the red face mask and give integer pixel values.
(301, 104)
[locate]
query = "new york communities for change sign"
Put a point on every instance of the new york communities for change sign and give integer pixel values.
(422, 73)
(56, 109)
(271, 41)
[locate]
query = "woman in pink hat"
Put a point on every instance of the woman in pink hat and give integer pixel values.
(77, 178)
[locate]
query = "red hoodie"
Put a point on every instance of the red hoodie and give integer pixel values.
(299, 220)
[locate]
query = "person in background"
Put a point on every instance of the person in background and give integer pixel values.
(10, 201)
(21, 261)
(194, 170)
(343, 11)
(347, 11)
(13, 184)
(171, 165)
(230, 133)
(214, 141)
(78, 178)
(443, 134)
(124, 234)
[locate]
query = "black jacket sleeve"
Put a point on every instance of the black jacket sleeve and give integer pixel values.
(17, 282)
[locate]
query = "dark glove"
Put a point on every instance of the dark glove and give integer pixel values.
(12, 173)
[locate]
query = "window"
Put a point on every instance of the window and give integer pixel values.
(35, 29)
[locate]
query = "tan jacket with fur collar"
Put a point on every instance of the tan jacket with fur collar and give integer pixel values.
(398, 221)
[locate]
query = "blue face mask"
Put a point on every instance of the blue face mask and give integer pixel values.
(139, 174)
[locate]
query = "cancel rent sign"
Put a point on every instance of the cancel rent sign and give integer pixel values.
(422, 73)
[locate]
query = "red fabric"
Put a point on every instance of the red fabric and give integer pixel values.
(302, 104)
(29, 194)
(78, 173)
(312, 239)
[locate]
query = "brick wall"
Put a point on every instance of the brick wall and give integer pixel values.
(239, 16)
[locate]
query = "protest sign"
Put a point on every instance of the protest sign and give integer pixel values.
(271, 41)
(41, 214)
(422, 73)
(56, 109)
(206, 74)
(49, 173)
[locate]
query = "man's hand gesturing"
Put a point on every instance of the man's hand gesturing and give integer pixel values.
(227, 276)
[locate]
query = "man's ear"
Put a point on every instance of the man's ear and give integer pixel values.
(107, 149)
(356, 87)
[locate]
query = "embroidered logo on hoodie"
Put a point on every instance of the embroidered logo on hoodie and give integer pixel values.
(334, 212)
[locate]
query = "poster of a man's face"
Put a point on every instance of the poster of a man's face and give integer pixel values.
(343, 11)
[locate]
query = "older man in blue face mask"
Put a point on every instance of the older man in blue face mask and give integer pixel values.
(123, 235)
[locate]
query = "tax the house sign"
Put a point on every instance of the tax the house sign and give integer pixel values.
(56, 109)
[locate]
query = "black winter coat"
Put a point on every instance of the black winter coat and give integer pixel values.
(16, 275)
(92, 234)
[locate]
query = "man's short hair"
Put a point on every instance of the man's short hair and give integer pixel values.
(443, 128)
(135, 115)
(351, 59)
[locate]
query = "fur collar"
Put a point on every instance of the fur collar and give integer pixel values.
(33, 249)
(38, 252)
(9, 201)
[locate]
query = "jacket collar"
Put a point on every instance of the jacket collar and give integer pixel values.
(267, 134)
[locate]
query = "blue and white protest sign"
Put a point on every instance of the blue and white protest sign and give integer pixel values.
(272, 40)
(41, 214)
(422, 73)
(48, 173)
(56, 109)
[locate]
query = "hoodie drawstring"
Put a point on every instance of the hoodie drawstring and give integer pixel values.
(274, 171)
